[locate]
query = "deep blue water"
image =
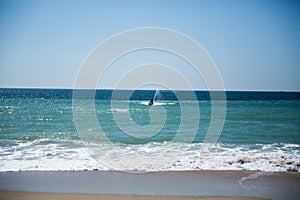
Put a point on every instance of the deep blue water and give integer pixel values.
(147, 94)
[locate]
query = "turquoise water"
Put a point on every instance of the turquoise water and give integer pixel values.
(247, 122)
(40, 133)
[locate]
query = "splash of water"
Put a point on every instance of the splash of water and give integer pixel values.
(156, 93)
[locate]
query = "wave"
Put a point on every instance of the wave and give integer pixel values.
(155, 156)
(157, 103)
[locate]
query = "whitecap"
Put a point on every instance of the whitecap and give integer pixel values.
(158, 103)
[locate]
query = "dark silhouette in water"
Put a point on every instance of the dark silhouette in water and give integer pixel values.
(151, 102)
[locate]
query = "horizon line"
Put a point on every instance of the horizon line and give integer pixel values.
(150, 89)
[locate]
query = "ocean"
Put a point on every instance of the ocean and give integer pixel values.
(43, 129)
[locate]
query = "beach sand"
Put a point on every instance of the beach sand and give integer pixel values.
(4, 195)
(152, 185)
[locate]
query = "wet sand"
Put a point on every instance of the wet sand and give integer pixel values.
(54, 196)
(153, 185)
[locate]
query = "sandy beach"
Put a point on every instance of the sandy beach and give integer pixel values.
(151, 185)
(48, 196)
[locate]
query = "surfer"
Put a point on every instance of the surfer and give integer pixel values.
(151, 102)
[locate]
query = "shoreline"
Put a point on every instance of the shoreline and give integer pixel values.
(274, 185)
(6, 195)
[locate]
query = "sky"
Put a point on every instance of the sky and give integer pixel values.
(255, 44)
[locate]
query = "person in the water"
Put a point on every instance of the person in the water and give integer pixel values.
(151, 102)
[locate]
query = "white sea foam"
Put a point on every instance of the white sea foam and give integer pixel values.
(38, 155)
(161, 103)
(119, 110)
(35, 155)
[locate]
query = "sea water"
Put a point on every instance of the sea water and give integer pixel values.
(38, 132)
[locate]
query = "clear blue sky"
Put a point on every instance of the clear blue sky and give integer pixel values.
(255, 44)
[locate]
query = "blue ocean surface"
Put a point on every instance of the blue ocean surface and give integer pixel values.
(39, 131)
